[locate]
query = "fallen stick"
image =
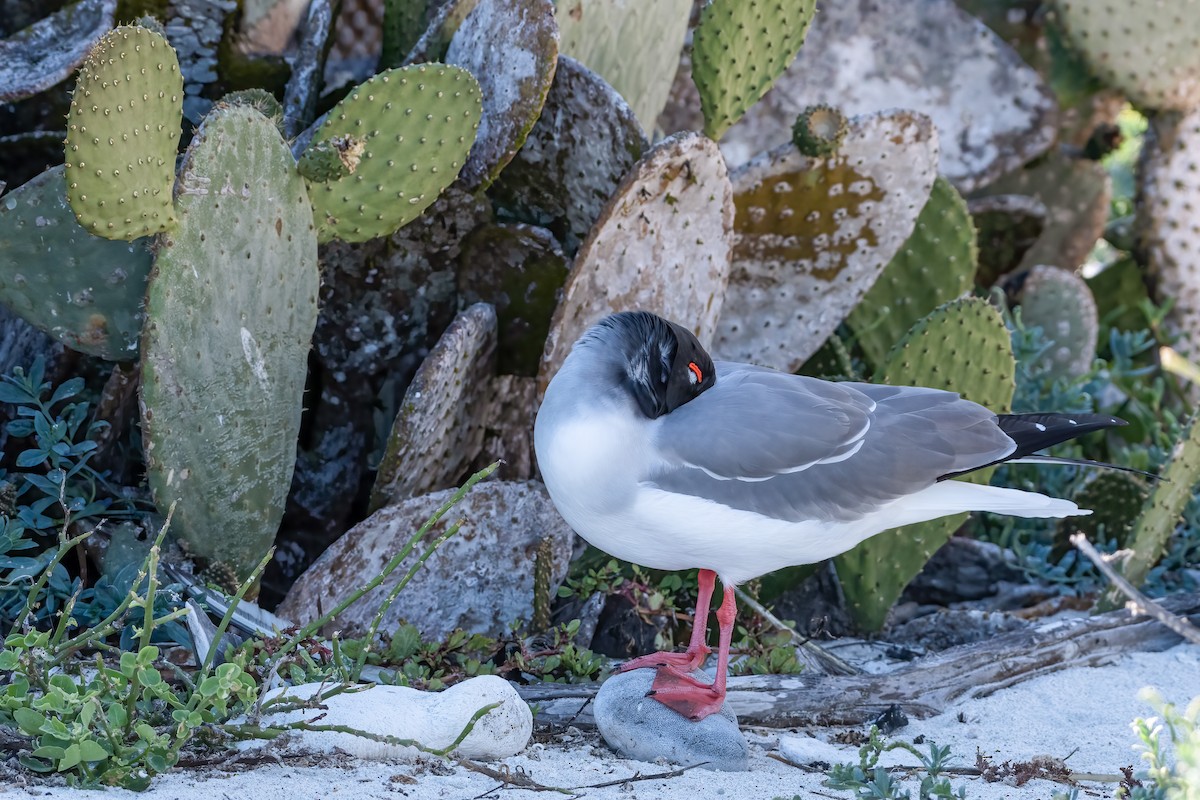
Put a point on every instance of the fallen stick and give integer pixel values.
(923, 688)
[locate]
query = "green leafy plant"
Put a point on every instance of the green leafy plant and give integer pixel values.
(869, 781)
(1169, 781)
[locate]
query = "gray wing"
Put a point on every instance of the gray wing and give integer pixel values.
(798, 448)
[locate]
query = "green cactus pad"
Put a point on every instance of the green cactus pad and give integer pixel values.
(520, 270)
(1076, 193)
(229, 319)
(403, 23)
(585, 141)
(511, 47)
(123, 133)
(935, 265)
(1149, 49)
(815, 233)
(632, 44)
(738, 50)
(85, 291)
(45, 53)
(662, 244)
(439, 430)
(1161, 514)
(1116, 500)
(417, 125)
(962, 346)
(1061, 304)
(993, 112)
(261, 101)
(1168, 223)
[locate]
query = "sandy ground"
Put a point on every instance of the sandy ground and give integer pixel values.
(1080, 715)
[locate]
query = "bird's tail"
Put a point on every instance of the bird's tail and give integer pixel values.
(952, 497)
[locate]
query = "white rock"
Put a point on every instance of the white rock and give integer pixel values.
(433, 719)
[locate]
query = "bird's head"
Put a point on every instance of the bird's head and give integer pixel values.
(659, 364)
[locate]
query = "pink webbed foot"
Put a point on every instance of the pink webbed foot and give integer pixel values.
(684, 694)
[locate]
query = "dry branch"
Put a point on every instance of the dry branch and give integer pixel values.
(924, 687)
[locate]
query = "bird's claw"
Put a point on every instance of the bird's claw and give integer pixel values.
(685, 695)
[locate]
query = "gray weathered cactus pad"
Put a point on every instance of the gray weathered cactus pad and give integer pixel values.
(813, 234)
(437, 431)
(85, 291)
(45, 53)
(993, 112)
(511, 47)
(480, 579)
(1076, 193)
(230, 314)
(1169, 223)
(662, 244)
(585, 141)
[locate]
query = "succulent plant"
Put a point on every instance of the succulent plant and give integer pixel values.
(1162, 512)
(584, 142)
(739, 48)
(1116, 499)
(661, 244)
(962, 346)
(1007, 225)
(633, 45)
(123, 133)
(936, 265)
(85, 291)
(992, 111)
(416, 125)
(230, 313)
(813, 235)
(1061, 304)
(49, 50)
(438, 430)
(1168, 224)
(403, 23)
(1149, 49)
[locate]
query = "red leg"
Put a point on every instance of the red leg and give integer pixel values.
(698, 648)
(680, 691)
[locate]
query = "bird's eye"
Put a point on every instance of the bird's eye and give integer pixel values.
(695, 375)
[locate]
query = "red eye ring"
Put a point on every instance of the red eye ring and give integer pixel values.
(696, 372)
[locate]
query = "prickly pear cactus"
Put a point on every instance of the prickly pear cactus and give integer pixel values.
(1061, 304)
(519, 269)
(661, 244)
(738, 50)
(1076, 193)
(632, 44)
(1007, 225)
(1160, 516)
(332, 159)
(416, 126)
(813, 234)
(46, 52)
(438, 431)
(123, 133)
(403, 23)
(936, 265)
(1149, 49)
(230, 314)
(969, 336)
(992, 111)
(85, 291)
(1116, 500)
(1168, 224)
(511, 47)
(585, 141)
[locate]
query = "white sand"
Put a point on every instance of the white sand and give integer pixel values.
(1082, 715)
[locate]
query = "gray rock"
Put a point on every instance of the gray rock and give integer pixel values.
(641, 728)
(480, 579)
